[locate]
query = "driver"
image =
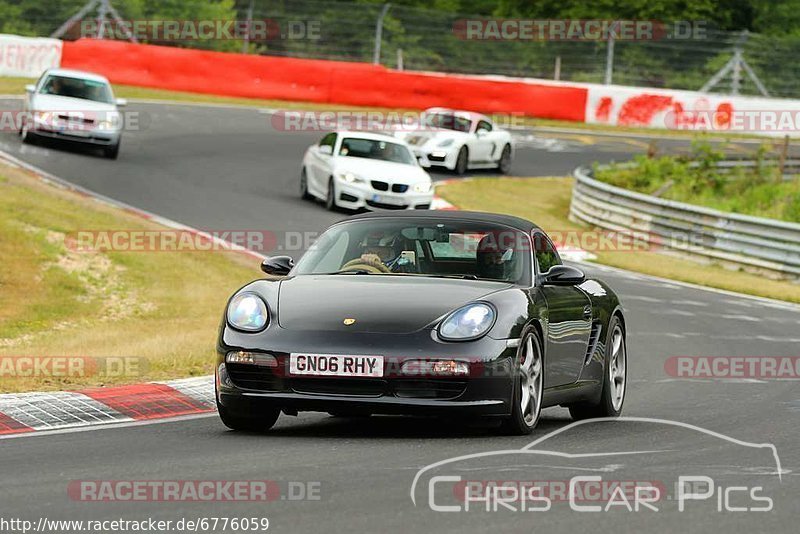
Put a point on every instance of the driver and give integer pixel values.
(380, 254)
(493, 261)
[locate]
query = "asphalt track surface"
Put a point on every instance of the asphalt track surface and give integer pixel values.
(221, 168)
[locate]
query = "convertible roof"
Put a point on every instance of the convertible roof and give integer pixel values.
(451, 215)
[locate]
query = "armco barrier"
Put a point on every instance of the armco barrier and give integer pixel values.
(751, 242)
(335, 82)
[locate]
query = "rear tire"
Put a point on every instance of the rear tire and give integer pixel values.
(304, 194)
(330, 198)
(528, 387)
(615, 377)
(261, 423)
(462, 161)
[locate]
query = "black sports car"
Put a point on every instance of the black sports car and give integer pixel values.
(431, 313)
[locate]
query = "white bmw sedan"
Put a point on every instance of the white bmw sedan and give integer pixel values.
(353, 170)
(460, 140)
(71, 105)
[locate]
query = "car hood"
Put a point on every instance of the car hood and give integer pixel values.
(41, 102)
(378, 303)
(373, 169)
(433, 137)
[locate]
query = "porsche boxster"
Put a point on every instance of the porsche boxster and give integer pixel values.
(443, 313)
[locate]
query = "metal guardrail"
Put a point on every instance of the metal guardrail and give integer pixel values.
(754, 243)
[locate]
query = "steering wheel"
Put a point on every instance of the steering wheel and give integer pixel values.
(359, 264)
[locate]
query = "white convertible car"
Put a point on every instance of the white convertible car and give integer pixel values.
(460, 140)
(356, 170)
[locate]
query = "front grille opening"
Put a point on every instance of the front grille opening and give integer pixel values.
(246, 376)
(380, 186)
(399, 188)
(428, 389)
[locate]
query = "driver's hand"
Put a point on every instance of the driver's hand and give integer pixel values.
(371, 259)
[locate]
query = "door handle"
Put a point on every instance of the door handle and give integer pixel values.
(587, 312)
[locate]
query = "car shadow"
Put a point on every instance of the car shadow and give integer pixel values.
(68, 146)
(399, 427)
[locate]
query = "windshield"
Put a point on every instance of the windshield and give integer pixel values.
(421, 247)
(354, 147)
(77, 88)
(449, 121)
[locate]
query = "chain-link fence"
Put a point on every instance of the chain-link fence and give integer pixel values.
(422, 39)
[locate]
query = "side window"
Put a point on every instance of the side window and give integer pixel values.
(484, 125)
(328, 140)
(546, 254)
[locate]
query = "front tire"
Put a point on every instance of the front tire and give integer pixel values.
(615, 378)
(330, 198)
(504, 164)
(528, 387)
(261, 423)
(304, 194)
(113, 151)
(462, 161)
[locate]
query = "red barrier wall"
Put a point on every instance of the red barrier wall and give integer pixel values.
(309, 80)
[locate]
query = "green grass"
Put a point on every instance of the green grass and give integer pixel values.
(545, 201)
(163, 307)
(761, 192)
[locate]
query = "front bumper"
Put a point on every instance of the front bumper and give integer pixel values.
(436, 157)
(246, 389)
(358, 196)
(92, 137)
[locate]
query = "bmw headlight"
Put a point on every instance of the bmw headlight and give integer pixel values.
(350, 178)
(248, 312)
(447, 142)
(468, 323)
(422, 187)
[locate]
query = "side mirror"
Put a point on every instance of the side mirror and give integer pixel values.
(563, 275)
(277, 265)
(30, 88)
(326, 149)
(122, 102)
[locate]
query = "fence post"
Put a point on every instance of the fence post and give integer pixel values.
(557, 72)
(376, 54)
(246, 42)
(610, 59)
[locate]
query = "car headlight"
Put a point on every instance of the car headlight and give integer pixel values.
(447, 142)
(248, 312)
(422, 187)
(350, 178)
(112, 121)
(43, 116)
(468, 323)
